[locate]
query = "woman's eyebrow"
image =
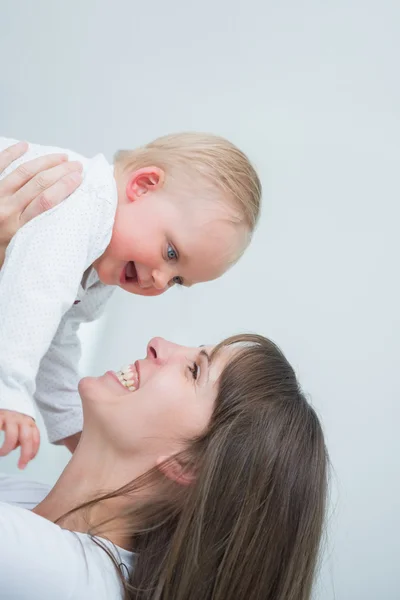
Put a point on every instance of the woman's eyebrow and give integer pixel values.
(204, 353)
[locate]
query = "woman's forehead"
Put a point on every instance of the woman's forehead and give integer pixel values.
(219, 359)
(214, 350)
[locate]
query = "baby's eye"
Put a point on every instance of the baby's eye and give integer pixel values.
(177, 280)
(171, 253)
(194, 369)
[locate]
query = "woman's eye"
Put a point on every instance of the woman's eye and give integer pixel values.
(171, 253)
(194, 369)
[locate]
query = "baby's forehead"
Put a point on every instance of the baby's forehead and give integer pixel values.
(206, 210)
(207, 249)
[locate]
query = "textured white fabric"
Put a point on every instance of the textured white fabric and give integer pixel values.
(15, 489)
(41, 561)
(47, 289)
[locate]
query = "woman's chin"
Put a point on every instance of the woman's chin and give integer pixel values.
(86, 383)
(105, 388)
(90, 389)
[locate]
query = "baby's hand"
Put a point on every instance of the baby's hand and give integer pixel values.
(19, 430)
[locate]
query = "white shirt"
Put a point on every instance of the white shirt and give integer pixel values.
(15, 489)
(41, 561)
(47, 289)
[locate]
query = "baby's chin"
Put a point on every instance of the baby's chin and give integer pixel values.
(106, 272)
(134, 288)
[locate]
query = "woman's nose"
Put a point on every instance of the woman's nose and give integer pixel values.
(161, 350)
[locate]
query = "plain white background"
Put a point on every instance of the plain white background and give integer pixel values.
(310, 90)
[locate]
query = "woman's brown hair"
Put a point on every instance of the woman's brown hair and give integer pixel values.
(249, 527)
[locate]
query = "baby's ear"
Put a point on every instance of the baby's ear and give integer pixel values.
(141, 181)
(172, 468)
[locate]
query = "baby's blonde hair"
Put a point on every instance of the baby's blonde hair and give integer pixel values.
(211, 156)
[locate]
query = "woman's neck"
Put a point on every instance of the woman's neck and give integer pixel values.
(91, 474)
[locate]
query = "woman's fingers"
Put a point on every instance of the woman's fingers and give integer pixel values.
(12, 153)
(36, 185)
(52, 196)
(25, 172)
(41, 183)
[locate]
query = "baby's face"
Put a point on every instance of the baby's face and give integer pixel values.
(159, 241)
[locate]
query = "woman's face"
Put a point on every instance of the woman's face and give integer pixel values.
(152, 406)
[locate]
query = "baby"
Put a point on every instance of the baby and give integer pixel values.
(178, 211)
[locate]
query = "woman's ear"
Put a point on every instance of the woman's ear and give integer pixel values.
(141, 181)
(174, 470)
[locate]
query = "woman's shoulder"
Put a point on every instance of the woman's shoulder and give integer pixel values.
(40, 560)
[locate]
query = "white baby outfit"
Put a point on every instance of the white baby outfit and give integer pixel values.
(47, 289)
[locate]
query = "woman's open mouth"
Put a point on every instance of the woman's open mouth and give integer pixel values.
(129, 274)
(129, 377)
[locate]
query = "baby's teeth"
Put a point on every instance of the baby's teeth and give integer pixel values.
(131, 388)
(129, 382)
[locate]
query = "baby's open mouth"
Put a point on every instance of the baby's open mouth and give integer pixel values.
(130, 272)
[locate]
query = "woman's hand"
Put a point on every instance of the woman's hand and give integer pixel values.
(32, 188)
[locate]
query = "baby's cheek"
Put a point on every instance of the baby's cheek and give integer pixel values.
(116, 247)
(121, 241)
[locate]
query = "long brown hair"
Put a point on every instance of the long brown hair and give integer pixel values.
(250, 525)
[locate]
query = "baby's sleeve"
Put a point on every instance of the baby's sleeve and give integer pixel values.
(57, 383)
(57, 394)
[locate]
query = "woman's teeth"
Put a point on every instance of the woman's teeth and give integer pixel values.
(128, 377)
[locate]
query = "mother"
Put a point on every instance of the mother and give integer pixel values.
(205, 481)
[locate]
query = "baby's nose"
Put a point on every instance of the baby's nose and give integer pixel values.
(160, 280)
